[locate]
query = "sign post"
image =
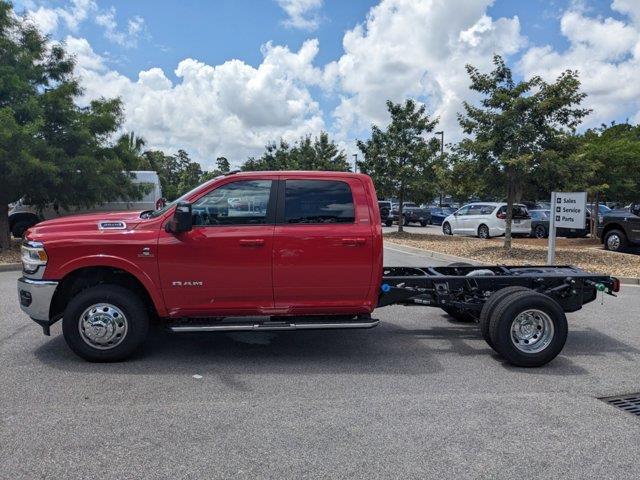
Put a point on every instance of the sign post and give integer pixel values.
(568, 210)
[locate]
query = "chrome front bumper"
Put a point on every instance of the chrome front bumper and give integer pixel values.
(35, 297)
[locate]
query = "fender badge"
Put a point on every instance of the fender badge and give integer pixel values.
(105, 225)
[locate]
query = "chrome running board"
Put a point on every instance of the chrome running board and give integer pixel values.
(270, 326)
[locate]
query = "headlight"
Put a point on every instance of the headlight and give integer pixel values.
(33, 256)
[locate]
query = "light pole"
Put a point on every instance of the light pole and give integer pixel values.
(441, 133)
(355, 163)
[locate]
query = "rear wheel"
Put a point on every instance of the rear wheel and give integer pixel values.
(446, 228)
(483, 232)
(528, 329)
(489, 307)
(105, 323)
(615, 240)
(540, 231)
(388, 222)
(423, 223)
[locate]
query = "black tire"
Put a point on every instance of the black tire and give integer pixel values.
(131, 306)
(615, 241)
(490, 305)
(483, 232)
(446, 228)
(388, 222)
(21, 226)
(423, 223)
(540, 232)
(506, 312)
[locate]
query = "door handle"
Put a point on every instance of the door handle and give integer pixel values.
(354, 242)
(252, 242)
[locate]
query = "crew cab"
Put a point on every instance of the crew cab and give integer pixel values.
(620, 229)
(296, 250)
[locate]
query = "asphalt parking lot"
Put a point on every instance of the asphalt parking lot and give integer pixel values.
(420, 396)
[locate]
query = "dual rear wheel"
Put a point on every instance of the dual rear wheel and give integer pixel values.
(527, 328)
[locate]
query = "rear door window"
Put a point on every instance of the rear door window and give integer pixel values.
(318, 202)
(519, 211)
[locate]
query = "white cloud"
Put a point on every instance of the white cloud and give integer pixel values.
(303, 14)
(75, 12)
(606, 53)
(231, 109)
(125, 38)
(49, 19)
(416, 49)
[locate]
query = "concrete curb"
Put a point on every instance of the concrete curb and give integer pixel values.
(451, 258)
(10, 267)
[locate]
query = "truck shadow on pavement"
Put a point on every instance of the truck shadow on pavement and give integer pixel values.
(386, 349)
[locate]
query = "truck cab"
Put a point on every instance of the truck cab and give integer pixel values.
(274, 244)
(620, 229)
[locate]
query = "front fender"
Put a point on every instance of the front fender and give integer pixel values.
(151, 286)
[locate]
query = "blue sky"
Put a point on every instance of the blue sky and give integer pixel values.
(332, 63)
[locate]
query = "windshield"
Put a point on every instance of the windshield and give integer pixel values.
(157, 213)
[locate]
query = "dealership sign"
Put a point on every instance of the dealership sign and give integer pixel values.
(568, 210)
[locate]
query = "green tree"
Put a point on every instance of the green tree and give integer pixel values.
(609, 160)
(516, 122)
(223, 165)
(178, 173)
(400, 160)
(51, 150)
(321, 153)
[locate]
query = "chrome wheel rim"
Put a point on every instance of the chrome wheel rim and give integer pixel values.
(484, 233)
(613, 242)
(447, 229)
(532, 331)
(103, 326)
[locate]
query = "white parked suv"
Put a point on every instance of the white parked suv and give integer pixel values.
(486, 220)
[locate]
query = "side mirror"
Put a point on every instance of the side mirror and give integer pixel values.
(182, 220)
(635, 209)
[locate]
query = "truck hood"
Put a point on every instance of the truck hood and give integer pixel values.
(127, 220)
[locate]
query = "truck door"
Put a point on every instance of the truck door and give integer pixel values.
(224, 264)
(323, 245)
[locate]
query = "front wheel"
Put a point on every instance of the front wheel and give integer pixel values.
(105, 323)
(615, 241)
(388, 222)
(528, 329)
(446, 228)
(423, 223)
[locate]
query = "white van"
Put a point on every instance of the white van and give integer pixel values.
(22, 217)
(486, 220)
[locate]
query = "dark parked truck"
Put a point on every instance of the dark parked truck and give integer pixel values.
(296, 250)
(620, 229)
(412, 214)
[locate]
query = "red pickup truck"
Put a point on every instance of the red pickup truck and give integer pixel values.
(301, 250)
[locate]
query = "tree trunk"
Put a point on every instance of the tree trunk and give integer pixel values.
(511, 194)
(400, 209)
(5, 239)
